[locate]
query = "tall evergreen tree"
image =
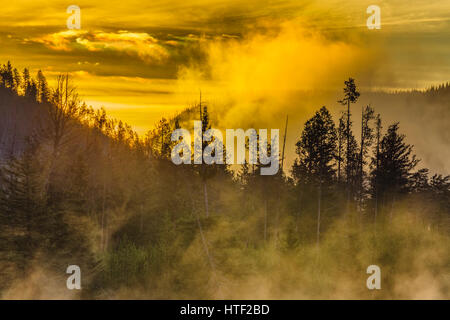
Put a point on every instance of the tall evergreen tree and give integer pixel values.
(22, 202)
(351, 95)
(7, 76)
(316, 152)
(43, 92)
(26, 78)
(367, 137)
(32, 90)
(341, 143)
(375, 164)
(17, 81)
(395, 164)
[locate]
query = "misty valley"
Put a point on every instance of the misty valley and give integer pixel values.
(354, 215)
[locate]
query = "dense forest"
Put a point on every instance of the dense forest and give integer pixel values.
(80, 188)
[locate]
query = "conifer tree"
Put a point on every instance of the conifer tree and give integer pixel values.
(25, 81)
(396, 162)
(42, 88)
(367, 137)
(351, 95)
(316, 152)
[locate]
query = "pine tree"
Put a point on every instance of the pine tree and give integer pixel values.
(316, 152)
(25, 81)
(341, 143)
(159, 139)
(22, 202)
(367, 137)
(351, 164)
(63, 112)
(17, 81)
(375, 164)
(205, 171)
(42, 88)
(7, 76)
(396, 161)
(351, 95)
(32, 90)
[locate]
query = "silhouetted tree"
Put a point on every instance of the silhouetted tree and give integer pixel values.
(351, 95)
(43, 92)
(316, 152)
(367, 137)
(340, 140)
(26, 78)
(7, 76)
(376, 164)
(396, 161)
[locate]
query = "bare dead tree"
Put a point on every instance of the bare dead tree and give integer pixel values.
(63, 112)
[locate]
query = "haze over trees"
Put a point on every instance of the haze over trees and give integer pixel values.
(77, 187)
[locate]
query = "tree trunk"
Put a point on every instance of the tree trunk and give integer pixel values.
(361, 156)
(347, 169)
(297, 216)
(392, 208)
(102, 240)
(339, 163)
(205, 193)
(376, 204)
(265, 220)
(377, 160)
(205, 248)
(284, 145)
(319, 203)
(13, 144)
(348, 145)
(141, 223)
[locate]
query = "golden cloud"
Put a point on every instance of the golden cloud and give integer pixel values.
(143, 45)
(257, 78)
(60, 41)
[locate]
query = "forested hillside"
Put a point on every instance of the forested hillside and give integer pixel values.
(80, 188)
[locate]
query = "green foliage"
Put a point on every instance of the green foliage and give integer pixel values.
(86, 190)
(127, 264)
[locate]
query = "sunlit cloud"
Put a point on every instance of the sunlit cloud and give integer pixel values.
(141, 44)
(256, 78)
(60, 40)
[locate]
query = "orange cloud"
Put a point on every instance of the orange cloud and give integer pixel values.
(143, 45)
(60, 41)
(257, 78)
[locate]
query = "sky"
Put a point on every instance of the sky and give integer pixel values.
(249, 58)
